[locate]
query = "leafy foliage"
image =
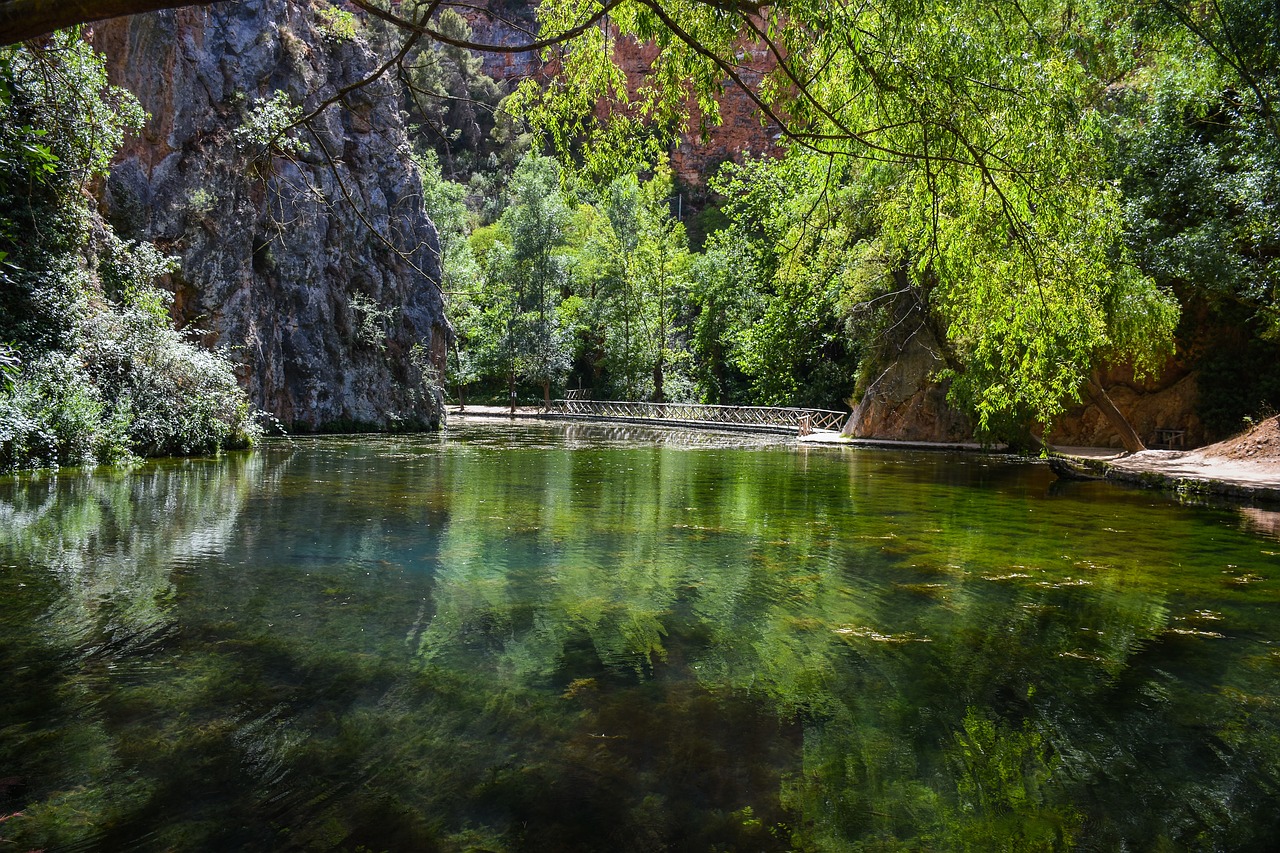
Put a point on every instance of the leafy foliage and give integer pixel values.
(1197, 150)
(270, 126)
(95, 371)
(456, 105)
(336, 24)
(954, 148)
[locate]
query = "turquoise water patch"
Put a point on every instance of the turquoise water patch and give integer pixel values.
(569, 637)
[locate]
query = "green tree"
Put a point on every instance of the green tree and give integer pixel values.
(450, 97)
(460, 271)
(631, 265)
(662, 272)
(531, 274)
(768, 299)
(1197, 152)
(972, 137)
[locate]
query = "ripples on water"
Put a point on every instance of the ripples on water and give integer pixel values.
(583, 637)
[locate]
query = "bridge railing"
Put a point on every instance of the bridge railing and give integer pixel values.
(803, 420)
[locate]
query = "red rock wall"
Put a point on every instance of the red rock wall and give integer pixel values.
(740, 134)
(1166, 402)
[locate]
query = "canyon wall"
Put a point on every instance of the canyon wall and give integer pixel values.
(311, 262)
(695, 155)
(905, 402)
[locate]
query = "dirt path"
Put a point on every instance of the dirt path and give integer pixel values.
(1246, 465)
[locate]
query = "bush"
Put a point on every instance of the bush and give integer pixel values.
(166, 396)
(178, 398)
(53, 416)
(91, 371)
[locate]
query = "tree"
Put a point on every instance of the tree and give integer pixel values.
(768, 299)
(1197, 154)
(662, 270)
(92, 368)
(532, 274)
(461, 273)
(968, 135)
(632, 268)
(970, 131)
(451, 96)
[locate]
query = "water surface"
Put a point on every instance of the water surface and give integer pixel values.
(577, 637)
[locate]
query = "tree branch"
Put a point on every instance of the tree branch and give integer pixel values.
(21, 20)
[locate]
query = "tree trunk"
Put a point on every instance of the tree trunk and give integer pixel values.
(21, 20)
(1098, 396)
(658, 394)
(462, 386)
(546, 395)
(511, 390)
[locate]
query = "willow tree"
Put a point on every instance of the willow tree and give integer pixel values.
(971, 134)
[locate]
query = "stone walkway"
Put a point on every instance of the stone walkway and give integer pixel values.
(1187, 472)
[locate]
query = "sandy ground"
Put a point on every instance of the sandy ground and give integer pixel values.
(1249, 459)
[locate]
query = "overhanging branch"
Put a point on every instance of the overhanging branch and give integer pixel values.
(21, 20)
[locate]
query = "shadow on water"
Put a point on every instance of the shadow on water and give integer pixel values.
(575, 637)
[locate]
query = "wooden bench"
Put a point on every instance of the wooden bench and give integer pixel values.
(1170, 439)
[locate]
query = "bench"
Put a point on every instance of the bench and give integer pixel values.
(1170, 439)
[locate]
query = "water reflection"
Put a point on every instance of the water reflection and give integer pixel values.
(567, 637)
(1262, 521)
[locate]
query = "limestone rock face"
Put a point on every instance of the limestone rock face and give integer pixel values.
(1166, 402)
(316, 269)
(904, 403)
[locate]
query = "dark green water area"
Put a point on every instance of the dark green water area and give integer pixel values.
(557, 637)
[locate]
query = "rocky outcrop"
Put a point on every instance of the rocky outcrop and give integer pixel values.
(742, 133)
(905, 403)
(1152, 406)
(315, 267)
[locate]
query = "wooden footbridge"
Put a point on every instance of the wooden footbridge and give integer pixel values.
(787, 420)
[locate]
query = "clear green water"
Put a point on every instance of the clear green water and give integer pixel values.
(560, 637)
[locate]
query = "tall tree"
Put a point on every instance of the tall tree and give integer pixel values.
(632, 267)
(971, 132)
(534, 271)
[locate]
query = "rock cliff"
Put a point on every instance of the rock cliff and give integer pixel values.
(905, 403)
(694, 156)
(317, 268)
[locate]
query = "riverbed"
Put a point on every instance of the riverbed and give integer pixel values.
(552, 636)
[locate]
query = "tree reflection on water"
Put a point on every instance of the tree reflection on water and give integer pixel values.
(554, 638)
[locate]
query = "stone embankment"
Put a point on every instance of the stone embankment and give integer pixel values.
(1246, 466)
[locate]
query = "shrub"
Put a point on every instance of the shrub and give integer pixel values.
(91, 371)
(53, 416)
(336, 24)
(179, 398)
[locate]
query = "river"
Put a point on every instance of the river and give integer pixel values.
(579, 637)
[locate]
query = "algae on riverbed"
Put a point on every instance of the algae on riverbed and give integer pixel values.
(528, 640)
